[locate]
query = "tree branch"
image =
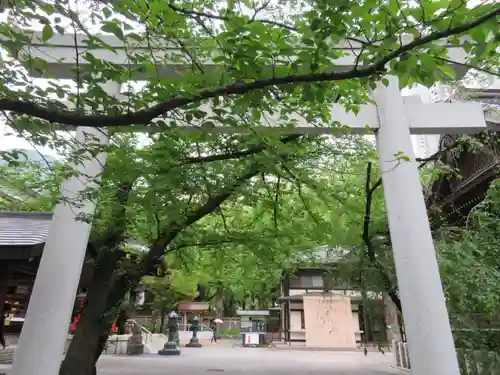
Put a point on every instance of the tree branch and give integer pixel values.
(116, 230)
(276, 203)
(174, 228)
(235, 154)
(423, 161)
(207, 243)
(145, 116)
(367, 239)
(193, 14)
(470, 66)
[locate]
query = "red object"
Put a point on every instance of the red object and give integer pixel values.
(76, 319)
(75, 322)
(248, 339)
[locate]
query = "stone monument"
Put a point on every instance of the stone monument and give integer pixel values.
(135, 345)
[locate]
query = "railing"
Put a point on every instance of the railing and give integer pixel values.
(475, 362)
(472, 362)
(148, 335)
(400, 350)
(187, 327)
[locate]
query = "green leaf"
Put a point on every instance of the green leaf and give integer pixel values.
(60, 29)
(394, 7)
(256, 114)
(47, 33)
(448, 71)
(478, 34)
(107, 12)
(113, 28)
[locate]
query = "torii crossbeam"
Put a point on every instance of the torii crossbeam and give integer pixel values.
(393, 117)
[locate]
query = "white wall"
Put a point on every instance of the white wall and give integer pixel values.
(295, 321)
(355, 325)
(296, 292)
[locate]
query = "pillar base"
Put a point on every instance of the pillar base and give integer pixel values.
(170, 348)
(194, 343)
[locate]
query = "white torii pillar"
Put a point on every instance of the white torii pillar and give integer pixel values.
(430, 341)
(393, 118)
(45, 328)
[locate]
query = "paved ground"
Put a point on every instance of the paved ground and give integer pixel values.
(217, 360)
(228, 360)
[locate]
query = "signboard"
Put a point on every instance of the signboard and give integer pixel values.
(252, 339)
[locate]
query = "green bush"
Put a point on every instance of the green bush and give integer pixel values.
(150, 326)
(228, 333)
(478, 339)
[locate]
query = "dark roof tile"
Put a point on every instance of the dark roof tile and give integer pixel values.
(24, 228)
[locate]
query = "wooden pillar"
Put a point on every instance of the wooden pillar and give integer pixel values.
(391, 319)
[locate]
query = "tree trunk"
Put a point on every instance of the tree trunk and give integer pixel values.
(103, 293)
(87, 341)
(230, 305)
(162, 321)
(219, 301)
(120, 322)
(94, 327)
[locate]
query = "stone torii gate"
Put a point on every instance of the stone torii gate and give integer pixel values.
(393, 117)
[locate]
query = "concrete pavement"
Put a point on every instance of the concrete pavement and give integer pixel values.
(229, 360)
(250, 361)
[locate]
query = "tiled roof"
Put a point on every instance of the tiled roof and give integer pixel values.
(325, 255)
(24, 228)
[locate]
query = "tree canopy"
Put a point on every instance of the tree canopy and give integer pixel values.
(253, 57)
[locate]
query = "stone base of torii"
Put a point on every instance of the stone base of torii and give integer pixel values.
(393, 118)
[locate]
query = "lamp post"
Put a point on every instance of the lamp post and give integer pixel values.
(194, 342)
(170, 347)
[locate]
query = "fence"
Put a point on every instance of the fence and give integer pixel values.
(400, 350)
(476, 362)
(188, 327)
(229, 323)
(472, 362)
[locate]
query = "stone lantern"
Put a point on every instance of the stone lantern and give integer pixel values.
(194, 342)
(170, 347)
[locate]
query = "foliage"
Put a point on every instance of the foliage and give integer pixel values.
(271, 57)
(29, 186)
(233, 333)
(169, 290)
(232, 66)
(246, 246)
(470, 270)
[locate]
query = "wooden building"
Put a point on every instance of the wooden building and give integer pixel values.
(453, 195)
(22, 237)
(320, 312)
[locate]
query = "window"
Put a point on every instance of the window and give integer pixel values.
(302, 320)
(317, 281)
(294, 282)
(306, 281)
